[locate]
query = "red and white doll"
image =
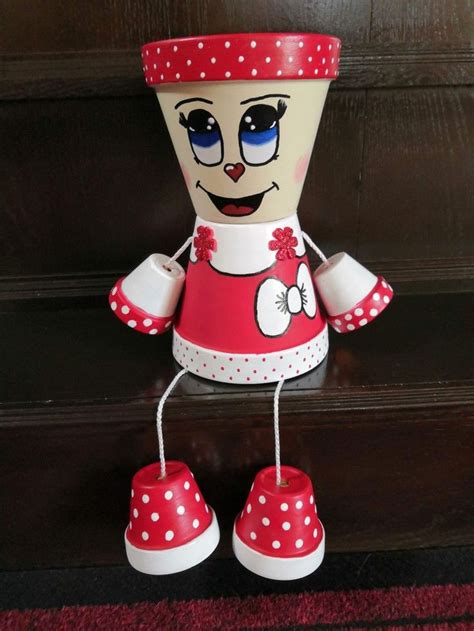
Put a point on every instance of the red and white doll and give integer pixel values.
(242, 111)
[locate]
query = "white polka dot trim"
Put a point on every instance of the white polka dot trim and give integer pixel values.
(276, 544)
(169, 535)
(155, 517)
(299, 504)
(168, 495)
(145, 498)
(250, 369)
(265, 521)
(186, 486)
(241, 56)
(181, 510)
(286, 525)
(195, 523)
(299, 543)
(284, 507)
(262, 499)
(145, 536)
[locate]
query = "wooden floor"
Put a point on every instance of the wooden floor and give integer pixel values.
(385, 428)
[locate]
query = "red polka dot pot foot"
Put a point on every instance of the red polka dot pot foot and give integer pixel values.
(364, 311)
(278, 534)
(135, 317)
(171, 527)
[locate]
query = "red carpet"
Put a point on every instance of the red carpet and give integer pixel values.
(431, 607)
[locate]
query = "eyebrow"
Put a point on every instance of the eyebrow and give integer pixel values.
(266, 96)
(191, 100)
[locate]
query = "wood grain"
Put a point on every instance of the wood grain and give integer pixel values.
(385, 428)
(416, 196)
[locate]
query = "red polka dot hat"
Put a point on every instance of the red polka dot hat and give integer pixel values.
(171, 527)
(278, 534)
(242, 57)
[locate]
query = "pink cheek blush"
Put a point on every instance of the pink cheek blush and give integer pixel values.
(301, 168)
(187, 177)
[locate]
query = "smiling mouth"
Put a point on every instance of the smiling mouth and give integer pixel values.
(237, 206)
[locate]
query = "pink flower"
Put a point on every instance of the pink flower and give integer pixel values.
(204, 243)
(284, 242)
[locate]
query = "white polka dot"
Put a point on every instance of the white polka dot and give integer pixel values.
(145, 535)
(188, 62)
(286, 525)
(315, 533)
(332, 60)
(307, 520)
(386, 300)
(310, 59)
(162, 77)
(279, 73)
(373, 312)
(125, 309)
(363, 322)
(175, 48)
(197, 497)
(147, 322)
(311, 499)
(168, 495)
(326, 71)
(227, 44)
(254, 72)
(265, 521)
(207, 508)
(253, 43)
(155, 517)
(284, 507)
(168, 64)
(181, 510)
(253, 536)
(130, 525)
(178, 75)
(213, 60)
(300, 44)
(241, 58)
(316, 70)
(350, 327)
(262, 499)
(227, 74)
(202, 75)
(158, 51)
(330, 46)
(278, 43)
(195, 523)
(114, 291)
(338, 322)
(300, 72)
(132, 323)
(200, 45)
(376, 296)
(290, 59)
(384, 284)
(152, 331)
(133, 493)
(276, 544)
(186, 485)
(323, 60)
(299, 504)
(299, 543)
(113, 305)
(169, 535)
(359, 311)
(268, 59)
(249, 508)
(145, 498)
(348, 317)
(135, 513)
(318, 47)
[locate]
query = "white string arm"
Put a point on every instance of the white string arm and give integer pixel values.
(159, 420)
(180, 250)
(276, 429)
(314, 247)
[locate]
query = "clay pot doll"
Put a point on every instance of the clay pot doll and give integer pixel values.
(242, 111)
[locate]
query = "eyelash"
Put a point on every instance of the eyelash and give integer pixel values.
(281, 109)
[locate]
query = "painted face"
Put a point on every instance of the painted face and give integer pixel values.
(244, 146)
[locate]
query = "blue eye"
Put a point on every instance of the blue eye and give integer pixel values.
(259, 133)
(204, 136)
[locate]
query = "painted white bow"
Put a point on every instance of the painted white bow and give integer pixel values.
(277, 303)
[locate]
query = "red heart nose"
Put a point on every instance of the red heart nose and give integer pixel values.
(235, 171)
